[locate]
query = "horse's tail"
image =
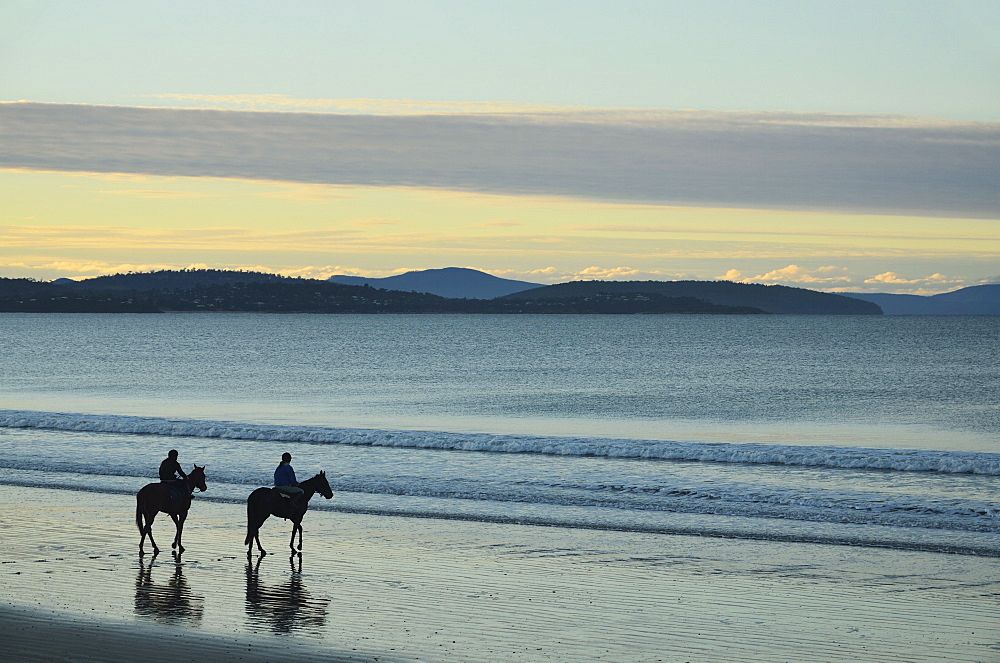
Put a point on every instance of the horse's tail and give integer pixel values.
(250, 531)
(138, 515)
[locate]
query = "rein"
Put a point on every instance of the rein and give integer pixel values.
(316, 484)
(193, 483)
(309, 487)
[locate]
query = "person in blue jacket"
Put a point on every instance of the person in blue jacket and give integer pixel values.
(284, 478)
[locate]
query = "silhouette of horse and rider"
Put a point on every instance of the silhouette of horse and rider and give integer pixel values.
(171, 496)
(287, 499)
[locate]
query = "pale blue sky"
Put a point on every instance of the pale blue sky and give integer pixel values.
(837, 145)
(887, 56)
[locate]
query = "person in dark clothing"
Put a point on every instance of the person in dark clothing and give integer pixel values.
(284, 478)
(170, 468)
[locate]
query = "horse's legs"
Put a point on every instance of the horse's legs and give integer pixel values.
(147, 530)
(256, 539)
(142, 527)
(142, 532)
(296, 527)
(253, 534)
(179, 524)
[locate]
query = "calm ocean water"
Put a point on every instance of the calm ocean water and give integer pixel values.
(854, 430)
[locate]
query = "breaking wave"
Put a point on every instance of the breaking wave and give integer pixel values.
(900, 460)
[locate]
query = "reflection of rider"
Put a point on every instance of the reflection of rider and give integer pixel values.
(284, 478)
(170, 468)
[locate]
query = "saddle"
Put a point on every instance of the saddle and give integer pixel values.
(176, 489)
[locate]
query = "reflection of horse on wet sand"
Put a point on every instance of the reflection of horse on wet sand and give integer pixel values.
(266, 502)
(170, 602)
(156, 497)
(286, 606)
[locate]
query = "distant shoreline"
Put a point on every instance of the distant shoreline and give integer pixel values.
(254, 292)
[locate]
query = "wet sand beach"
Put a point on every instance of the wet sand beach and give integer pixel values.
(380, 588)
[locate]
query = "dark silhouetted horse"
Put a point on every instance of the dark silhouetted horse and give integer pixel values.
(156, 497)
(266, 502)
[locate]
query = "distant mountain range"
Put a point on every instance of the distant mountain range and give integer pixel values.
(974, 300)
(216, 290)
(458, 290)
(457, 282)
(473, 284)
(767, 298)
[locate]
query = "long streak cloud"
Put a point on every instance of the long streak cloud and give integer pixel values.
(759, 160)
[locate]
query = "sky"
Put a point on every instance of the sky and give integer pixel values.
(837, 145)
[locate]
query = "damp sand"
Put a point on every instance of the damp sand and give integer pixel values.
(382, 588)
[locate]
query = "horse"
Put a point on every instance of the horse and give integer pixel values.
(155, 497)
(265, 502)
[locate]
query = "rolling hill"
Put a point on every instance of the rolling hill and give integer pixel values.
(974, 300)
(768, 298)
(457, 282)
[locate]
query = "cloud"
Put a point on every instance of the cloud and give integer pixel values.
(164, 194)
(281, 102)
(732, 275)
(793, 274)
(119, 237)
(845, 163)
(838, 279)
(593, 273)
(612, 274)
(499, 223)
(87, 268)
(895, 279)
(376, 221)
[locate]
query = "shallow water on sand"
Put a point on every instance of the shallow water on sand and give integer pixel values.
(424, 589)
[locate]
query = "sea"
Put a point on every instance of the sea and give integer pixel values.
(876, 431)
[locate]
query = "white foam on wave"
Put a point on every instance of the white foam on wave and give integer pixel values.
(857, 458)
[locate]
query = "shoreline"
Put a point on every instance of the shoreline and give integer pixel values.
(389, 588)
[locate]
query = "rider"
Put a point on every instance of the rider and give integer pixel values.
(284, 479)
(170, 468)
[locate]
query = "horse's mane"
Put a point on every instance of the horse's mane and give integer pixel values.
(315, 477)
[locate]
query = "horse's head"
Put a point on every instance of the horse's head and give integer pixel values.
(323, 486)
(197, 478)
